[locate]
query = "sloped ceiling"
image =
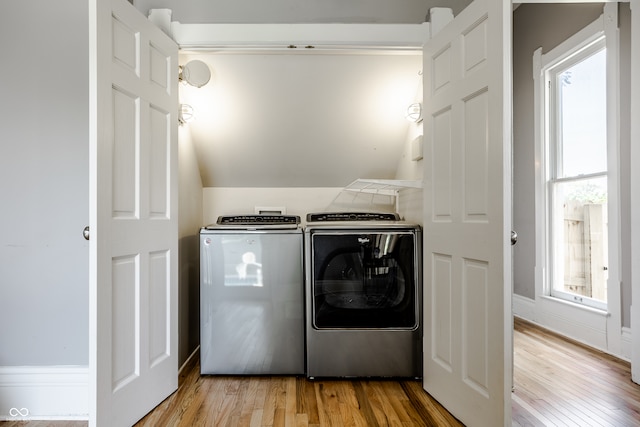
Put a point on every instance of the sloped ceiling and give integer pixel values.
(301, 120)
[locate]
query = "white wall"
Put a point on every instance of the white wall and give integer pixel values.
(297, 200)
(302, 200)
(281, 119)
(410, 203)
(44, 171)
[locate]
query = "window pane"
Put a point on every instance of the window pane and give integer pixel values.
(580, 244)
(583, 117)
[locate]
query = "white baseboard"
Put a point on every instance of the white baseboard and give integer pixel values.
(48, 392)
(587, 326)
(524, 307)
(44, 393)
(578, 323)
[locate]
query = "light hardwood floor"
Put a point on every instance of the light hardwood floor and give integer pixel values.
(297, 401)
(557, 382)
(560, 382)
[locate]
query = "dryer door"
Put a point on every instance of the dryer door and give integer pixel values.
(364, 281)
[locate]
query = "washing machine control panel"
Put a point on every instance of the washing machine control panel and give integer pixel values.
(258, 219)
(352, 216)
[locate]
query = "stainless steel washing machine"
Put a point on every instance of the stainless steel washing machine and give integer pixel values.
(252, 296)
(363, 304)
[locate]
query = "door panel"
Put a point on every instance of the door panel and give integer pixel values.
(159, 307)
(160, 173)
(441, 321)
(124, 161)
(467, 343)
(133, 219)
(475, 331)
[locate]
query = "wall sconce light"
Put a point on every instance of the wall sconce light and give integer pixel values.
(414, 112)
(185, 113)
(196, 73)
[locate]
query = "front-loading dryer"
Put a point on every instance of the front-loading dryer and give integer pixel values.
(363, 304)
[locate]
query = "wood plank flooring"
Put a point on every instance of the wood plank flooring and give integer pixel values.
(297, 401)
(557, 382)
(560, 382)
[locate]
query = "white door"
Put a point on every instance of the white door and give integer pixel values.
(133, 214)
(467, 267)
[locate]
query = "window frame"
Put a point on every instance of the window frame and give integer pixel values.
(564, 316)
(579, 50)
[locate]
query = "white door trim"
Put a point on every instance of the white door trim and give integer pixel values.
(635, 189)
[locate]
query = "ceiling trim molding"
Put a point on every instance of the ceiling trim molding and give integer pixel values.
(300, 37)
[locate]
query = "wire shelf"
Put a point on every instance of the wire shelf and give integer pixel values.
(372, 194)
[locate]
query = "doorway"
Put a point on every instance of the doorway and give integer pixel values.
(548, 26)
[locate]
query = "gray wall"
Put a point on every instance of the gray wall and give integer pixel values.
(547, 25)
(44, 188)
(287, 11)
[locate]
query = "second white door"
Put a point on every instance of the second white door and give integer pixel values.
(133, 214)
(467, 266)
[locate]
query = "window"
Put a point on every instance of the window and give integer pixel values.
(577, 185)
(576, 182)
